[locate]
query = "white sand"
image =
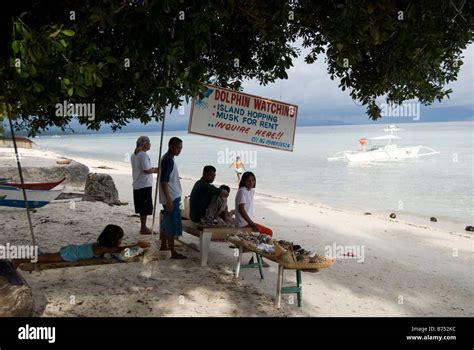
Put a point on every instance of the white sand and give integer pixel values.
(408, 269)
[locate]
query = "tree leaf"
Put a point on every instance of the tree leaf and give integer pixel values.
(81, 91)
(55, 34)
(15, 46)
(68, 32)
(38, 87)
(32, 69)
(374, 32)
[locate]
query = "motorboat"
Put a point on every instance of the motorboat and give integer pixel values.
(388, 152)
(13, 197)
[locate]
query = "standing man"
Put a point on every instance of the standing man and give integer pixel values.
(170, 197)
(239, 167)
(142, 174)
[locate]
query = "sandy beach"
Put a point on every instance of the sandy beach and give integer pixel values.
(402, 269)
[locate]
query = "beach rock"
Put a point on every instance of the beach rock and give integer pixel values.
(367, 213)
(470, 228)
(75, 173)
(433, 219)
(101, 187)
(393, 216)
(16, 297)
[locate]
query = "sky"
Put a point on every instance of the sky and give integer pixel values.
(320, 101)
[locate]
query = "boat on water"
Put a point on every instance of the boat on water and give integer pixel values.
(45, 186)
(391, 128)
(387, 152)
(13, 197)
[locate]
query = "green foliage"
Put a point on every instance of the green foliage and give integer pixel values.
(131, 60)
(399, 50)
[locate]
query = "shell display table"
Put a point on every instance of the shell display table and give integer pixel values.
(282, 266)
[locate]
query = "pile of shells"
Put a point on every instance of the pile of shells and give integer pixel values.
(296, 251)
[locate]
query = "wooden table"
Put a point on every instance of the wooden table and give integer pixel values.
(297, 289)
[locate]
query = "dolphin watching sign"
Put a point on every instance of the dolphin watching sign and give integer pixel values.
(235, 116)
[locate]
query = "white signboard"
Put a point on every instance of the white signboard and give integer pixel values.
(236, 116)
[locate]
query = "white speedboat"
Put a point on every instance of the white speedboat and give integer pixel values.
(388, 152)
(391, 128)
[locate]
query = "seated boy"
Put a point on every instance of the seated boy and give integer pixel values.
(218, 210)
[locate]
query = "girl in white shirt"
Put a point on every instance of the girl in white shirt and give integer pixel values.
(244, 204)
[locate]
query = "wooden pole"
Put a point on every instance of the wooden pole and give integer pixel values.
(22, 181)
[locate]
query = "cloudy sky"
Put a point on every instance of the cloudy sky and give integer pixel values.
(320, 100)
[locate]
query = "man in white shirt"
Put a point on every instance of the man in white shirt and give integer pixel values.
(170, 197)
(142, 174)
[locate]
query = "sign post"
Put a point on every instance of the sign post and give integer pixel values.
(236, 116)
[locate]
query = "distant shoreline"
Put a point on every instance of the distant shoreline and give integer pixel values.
(152, 125)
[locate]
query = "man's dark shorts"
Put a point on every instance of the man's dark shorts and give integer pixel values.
(143, 201)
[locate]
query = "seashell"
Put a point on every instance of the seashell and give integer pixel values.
(296, 247)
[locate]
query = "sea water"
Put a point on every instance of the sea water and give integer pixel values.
(440, 185)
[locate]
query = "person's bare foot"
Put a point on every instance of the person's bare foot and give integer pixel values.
(146, 231)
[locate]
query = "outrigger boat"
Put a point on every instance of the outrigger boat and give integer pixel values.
(389, 152)
(13, 197)
(44, 186)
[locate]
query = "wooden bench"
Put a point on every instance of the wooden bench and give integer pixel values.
(206, 235)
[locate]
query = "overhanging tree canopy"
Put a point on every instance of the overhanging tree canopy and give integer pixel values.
(131, 58)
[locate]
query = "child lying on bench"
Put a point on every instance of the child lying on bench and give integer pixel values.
(108, 242)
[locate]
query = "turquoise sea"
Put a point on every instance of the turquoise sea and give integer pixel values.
(441, 185)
